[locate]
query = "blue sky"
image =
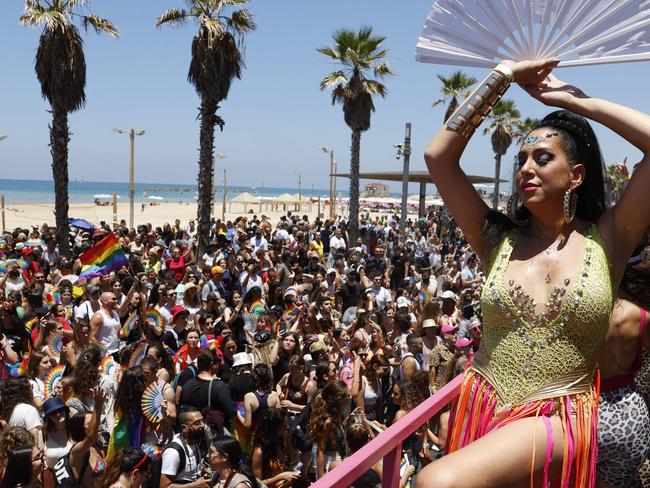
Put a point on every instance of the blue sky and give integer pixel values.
(276, 116)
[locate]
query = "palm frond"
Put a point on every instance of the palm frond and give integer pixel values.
(173, 16)
(328, 51)
(373, 87)
(383, 69)
(333, 79)
(100, 25)
(241, 22)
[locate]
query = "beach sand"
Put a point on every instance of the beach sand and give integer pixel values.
(27, 215)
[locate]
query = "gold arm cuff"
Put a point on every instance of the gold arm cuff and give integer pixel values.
(469, 116)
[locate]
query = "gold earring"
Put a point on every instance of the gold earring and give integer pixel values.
(511, 210)
(569, 205)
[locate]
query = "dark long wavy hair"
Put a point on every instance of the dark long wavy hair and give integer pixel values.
(266, 436)
(130, 390)
(580, 145)
(230, 446)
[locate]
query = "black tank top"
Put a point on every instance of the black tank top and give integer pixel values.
(263, 401)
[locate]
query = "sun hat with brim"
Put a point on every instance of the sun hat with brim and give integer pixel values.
(52, 405)
(429, 323)
(241, 359)
(179, 310)
(290, 291)
(448, 329)
(449, 295)
(403, 302)
(463, 342)
(475, 324)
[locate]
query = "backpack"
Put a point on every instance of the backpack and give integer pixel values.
(300, 430)
(191, 367)
(156, 466)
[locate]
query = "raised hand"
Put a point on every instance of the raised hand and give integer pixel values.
(531, 73)
(554, 92)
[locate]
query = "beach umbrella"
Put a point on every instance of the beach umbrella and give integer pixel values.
(34, 243)
(81, 224)
(154, 197)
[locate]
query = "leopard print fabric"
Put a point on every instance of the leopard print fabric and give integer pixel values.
(623, 437)
(643, 387)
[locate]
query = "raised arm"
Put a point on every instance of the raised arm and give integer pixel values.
(443, 154)
(623, 225)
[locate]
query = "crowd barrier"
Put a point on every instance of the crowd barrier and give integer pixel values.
(388, 444)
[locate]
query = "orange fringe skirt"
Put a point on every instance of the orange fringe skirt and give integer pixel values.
(473, 416)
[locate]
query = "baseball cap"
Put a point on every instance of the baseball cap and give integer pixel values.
(178, 310)
(330, 271)
(216, 270)
(448, 329)
(463, 342)
(402, 302)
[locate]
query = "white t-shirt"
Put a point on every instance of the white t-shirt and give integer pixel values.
(171, 461)
(25, 416)
(336, 243)
(55, 451)
(38, 388)
(252, 281)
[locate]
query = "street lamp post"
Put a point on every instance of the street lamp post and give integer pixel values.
(132, 133)
(404, 150)
(332, 180)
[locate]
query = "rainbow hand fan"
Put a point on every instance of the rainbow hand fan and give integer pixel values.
(108, 366)
(577, 32)
(154, 452)
(130, 324)
(53, 377)
(56, 343)
(152, 399)
(425, 296)
(155, 320)
(138, 354)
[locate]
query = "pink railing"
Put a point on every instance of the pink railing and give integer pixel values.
(388, 445)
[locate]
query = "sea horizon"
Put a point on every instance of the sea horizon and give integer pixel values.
(41, 192)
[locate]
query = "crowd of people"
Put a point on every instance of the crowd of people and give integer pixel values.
(272, 356)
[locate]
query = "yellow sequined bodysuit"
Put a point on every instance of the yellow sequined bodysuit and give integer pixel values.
(538, 369)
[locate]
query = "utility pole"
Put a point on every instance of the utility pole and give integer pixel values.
(404, 150)
(223, 207)
(299, 185)
(332, 180)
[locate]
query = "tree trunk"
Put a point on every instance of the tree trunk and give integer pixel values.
(59, 138)
(353, 221)
(497, 177)
(205, 180)
(453, 105)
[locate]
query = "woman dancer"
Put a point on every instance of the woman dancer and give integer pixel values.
(527, 408)
(623, 420)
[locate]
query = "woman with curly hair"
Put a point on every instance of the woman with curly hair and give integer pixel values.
(85, 377)
(131, 429)
(17, 407)
(127, 469)
(269, 459)
(164, 363)
(415, 446)
(329, 411)
(9, 440)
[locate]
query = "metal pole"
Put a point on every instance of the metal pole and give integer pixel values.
(406, 151)
(214, 187)
(223, 209)
(299, 184)
(2, 204)
(334, 193)
(332, 197)
(422, 199)
(131, 182)
(115, 209)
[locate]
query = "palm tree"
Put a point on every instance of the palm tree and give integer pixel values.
(360, 55)
(61, 70)
(216, 61)
(504, 122)
(524, 127)
(455, 87)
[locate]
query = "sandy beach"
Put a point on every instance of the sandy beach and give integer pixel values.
(27, 215)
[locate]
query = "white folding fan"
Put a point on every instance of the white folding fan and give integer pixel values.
(578, 32)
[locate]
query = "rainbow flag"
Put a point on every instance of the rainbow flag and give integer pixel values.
(102, 258)
(293, 311)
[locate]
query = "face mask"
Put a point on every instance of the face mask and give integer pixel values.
(346, 409)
